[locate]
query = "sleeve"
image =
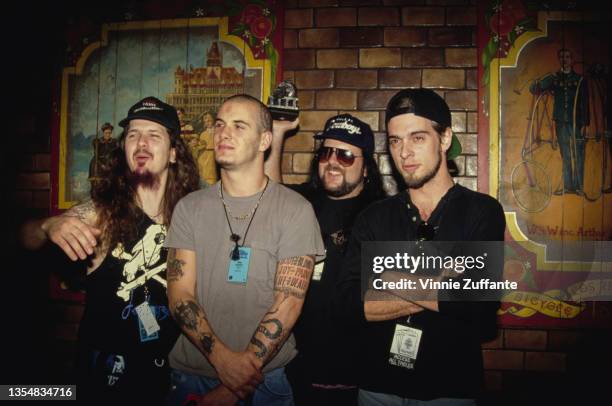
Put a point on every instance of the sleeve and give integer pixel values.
(348, 303)
(301, 234)
(541, 85)
(482, 315)
(180, 234)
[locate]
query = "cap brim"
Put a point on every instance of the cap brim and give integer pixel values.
(123, 123)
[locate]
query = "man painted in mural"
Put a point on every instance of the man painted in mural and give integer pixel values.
(103, 149)
(570, 114)
(126, 332)
(206, 156)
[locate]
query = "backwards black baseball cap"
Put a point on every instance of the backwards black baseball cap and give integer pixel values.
(427, 104)
(351, 130)
(153, 109)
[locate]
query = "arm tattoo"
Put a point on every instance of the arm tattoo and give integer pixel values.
(265, 331)
(82, 211)
(208, 342)
(174, 270)
(293, 276)
(261, 346)
(187, 313)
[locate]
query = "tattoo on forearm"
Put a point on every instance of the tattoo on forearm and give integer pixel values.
(187, 313)
(82, 211)
(278, 326)
(261, 346)
(293, 276)
(174, 270)
(208, 342)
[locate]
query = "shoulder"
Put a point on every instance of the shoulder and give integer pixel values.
(383, 206)
(199, 196)
(381, 210)
(481, 202)
(288, 196)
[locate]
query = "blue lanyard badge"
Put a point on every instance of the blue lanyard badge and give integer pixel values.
(238, 270)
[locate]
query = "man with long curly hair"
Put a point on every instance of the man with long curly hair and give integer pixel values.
(126, 331)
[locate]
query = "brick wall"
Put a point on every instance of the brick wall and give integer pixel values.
(351, 56)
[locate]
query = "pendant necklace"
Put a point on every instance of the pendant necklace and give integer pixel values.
(235, 237)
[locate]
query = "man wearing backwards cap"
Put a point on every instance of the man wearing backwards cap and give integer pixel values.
(445, 366)
(126, 332)
(344, 179)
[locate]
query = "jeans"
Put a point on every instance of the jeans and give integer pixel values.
(274, 390)
(367, 398)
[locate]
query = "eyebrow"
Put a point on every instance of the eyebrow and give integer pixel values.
(234, 121)
(409, 134)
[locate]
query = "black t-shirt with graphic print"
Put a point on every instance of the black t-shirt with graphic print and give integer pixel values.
(110, 322)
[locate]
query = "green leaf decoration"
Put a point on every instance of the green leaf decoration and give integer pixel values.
(512, 37)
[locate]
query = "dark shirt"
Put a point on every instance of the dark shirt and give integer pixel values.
(449, 362)
(110, 323)
(327, 355)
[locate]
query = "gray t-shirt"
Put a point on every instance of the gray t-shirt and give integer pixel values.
(284, 226)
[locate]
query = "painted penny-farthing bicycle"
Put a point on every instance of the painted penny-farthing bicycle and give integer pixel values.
(533, 178)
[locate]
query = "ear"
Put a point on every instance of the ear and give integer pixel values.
(446, 139)
(172, 155)
(265, 141)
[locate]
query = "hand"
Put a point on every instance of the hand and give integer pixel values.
(76, 238)
(220, 396)
(282, 127)
(239, 371)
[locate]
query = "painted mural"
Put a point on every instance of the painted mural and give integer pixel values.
(191, 63)
(192, 55)
(544, 87)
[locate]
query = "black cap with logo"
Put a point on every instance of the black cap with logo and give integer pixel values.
(153, 109)
(349, 129)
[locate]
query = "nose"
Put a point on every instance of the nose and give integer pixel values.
(141, 141)
(333, 157)
(223, 132)
(406, 149)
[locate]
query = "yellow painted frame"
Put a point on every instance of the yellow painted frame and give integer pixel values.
(221, 22)
(510, 61)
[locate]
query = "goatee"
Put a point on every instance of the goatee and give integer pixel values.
(145, 179)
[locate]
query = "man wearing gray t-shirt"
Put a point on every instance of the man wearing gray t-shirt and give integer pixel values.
(240, 261)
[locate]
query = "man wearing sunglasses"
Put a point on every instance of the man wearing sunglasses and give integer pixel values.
(344, 179)
(438, 341)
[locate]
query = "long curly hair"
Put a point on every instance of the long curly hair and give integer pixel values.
(115, 197)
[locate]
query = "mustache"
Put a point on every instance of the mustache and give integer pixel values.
(143, 152)
(330, 167)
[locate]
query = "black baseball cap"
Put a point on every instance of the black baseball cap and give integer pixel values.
(427, 104)
(349, 129)
(152, 109)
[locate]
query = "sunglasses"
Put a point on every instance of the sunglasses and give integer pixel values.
(425, 232)
(344, 157)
